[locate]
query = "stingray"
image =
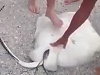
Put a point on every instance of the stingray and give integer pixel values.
(81, 46)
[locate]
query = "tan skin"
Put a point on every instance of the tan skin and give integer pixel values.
(78, 19)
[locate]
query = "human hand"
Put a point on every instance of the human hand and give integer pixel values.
(61, 41)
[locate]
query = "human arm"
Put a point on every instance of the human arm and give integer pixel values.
(78, 19)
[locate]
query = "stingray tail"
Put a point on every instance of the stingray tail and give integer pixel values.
(22, 63)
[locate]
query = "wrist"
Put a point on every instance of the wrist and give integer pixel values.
(65, 36)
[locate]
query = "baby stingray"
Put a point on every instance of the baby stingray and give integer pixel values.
(81, 46)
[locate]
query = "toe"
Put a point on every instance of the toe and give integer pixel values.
(31, 9)
(67, 2)
(58, 23)
(37, 10)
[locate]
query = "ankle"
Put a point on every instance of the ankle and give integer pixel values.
(50, 11)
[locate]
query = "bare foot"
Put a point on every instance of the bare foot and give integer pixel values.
(53, 17)
(33, 7)
(70, 1)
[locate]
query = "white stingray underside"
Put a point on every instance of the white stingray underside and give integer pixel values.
(82, 44)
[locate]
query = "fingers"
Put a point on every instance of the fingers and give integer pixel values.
(56, 44)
